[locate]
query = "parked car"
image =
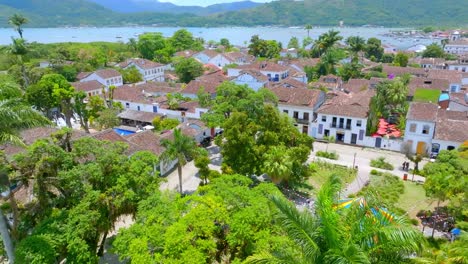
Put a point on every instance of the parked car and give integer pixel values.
(205, 142)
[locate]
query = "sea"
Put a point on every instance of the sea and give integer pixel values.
(236, 35)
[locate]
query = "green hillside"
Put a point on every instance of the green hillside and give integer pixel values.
(352, 12)
(43, 13)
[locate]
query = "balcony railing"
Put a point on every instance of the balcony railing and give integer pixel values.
(342, 126)
(302, 121)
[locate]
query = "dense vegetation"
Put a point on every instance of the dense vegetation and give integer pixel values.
(284, 12)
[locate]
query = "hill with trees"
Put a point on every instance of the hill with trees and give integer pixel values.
(283, 12)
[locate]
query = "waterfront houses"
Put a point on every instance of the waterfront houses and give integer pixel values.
(149, 70)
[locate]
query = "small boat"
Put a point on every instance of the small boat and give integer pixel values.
(118, 37)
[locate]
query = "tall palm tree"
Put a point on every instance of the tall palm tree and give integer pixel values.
(180, 148)
(19, 49)
(16, 115)
(356, 44)
(330, 236)
(308, 27)
(17, 21)
(330, 39)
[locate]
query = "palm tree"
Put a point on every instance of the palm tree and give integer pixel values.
(350, 236)
(308, 27)
(180, 148)
(330, 39)
(19, 49)
(356, 44)
(17, 21)
(16, 115)
(278, 164)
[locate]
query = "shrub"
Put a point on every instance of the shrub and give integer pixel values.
(374, 172)
(327, 155)
(381, 164)
(414, 222)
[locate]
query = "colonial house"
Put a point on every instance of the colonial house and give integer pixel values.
(430, 63)
(91, 88)
(195, 129)
(205, 56)
(209, 82)
(389, 49)
(427, 83)
(153, 99)
(106, 77)
(457, 47)
(300, 104)
(273, 71)
(253, 79)
(420, 126)
(344, 117)
(398, 71)
(356, 85)
(460, 65)
(239, 58)
(450, 130)
(150, 70)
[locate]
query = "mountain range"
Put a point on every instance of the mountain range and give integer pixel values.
(397, 13)
(133, 6)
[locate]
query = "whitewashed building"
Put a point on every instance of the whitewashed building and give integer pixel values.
(344, 117)
(253, 79)
(149, 70)
(300, 104)
(420, 126)
(107, 77)
(457, 47)
(273, 71)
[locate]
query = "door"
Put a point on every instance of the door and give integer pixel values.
(378, 142)
(353, 138)
(305, 130)
(421, 148)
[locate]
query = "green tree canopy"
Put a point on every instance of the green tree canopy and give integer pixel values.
(433, 51)
(148, 43)
(374, 49)
(264, 48)
(188, 69)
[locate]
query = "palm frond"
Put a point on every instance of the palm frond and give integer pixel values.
(300, 226)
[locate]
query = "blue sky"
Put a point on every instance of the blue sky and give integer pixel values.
(206, 2)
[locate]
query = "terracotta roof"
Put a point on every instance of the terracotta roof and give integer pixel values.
(451, 76)
(422, 112)
(451, 130)
(297, 96)
(356, 85)
(142, 63)
(141, 116)
(264, 66)
(254, 73)
(427, 83)
(87, 86)
(82, 75)
(144, 93)
(234, 56)
(147, 140)
(108, 73)
(460, 98)
(289, 83)
(459, 42)
(209, 81)
(403, 70)
(209, 53)
(352, 105)
(112, 136)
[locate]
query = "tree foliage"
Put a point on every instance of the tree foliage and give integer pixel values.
(264, 48)
(188, 69)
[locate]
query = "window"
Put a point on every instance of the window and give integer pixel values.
(306, 116)
(453, 88)
(305, 130)
(285, 111)
(425, 129)
(412, 128)
(138, 108)
(359, 123)
(324, 118)
(296, 114)
(127, 105)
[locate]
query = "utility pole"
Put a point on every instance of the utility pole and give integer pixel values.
(354, 160)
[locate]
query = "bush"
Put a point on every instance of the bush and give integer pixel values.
(327, 155)
(374, 172)
(381, 164)
(414, 222)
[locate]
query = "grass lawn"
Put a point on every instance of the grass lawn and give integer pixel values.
(323, 170)
(414, 199)
(426, 95)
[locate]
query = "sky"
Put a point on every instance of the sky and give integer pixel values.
(206, 2)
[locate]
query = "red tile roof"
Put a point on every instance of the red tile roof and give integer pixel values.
(352, 105)
(422, 112)
(297, 96)
(142, 63)
(108, 73)
(87, 86)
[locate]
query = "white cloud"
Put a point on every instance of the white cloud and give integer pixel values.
(207, 2)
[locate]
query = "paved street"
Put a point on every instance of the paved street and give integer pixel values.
(349, 155)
